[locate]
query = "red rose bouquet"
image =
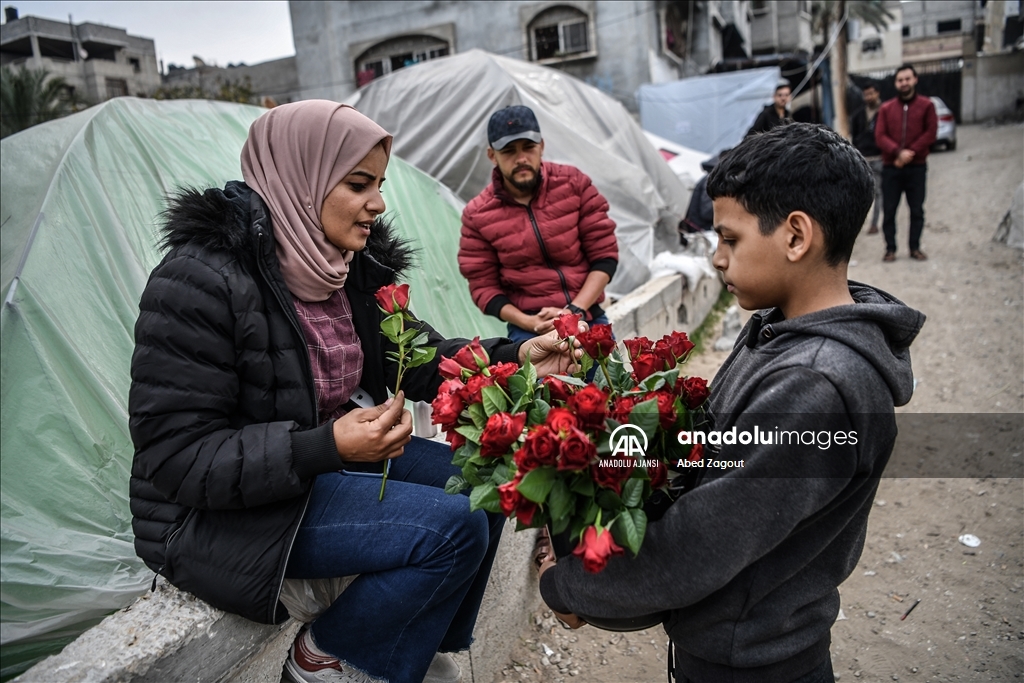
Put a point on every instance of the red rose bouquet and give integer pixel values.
(582, 457)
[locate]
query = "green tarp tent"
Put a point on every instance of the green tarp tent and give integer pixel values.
(79, 210)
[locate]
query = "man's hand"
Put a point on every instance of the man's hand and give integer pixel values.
(570, 620)
(544, 319)
(550, 355)
(374, 434)
(905, 157)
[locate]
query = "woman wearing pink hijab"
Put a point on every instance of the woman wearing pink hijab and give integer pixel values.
(252, 464)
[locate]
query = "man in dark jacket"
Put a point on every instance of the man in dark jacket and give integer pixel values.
(862, 131)
(748, 560)
(775, 113)
(537, 242)
(905, 131)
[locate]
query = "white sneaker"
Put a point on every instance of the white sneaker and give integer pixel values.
(443, 669)
(307, 663)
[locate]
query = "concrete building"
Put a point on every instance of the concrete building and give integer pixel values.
(273, 82)
(614, 46)
(870, 50)
(99, 62)
(781, 27)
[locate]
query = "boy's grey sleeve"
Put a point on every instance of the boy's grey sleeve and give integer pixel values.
(713, 532)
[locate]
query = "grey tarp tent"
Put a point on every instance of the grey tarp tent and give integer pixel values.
(438, 113)
(707, 113)
(80, 199)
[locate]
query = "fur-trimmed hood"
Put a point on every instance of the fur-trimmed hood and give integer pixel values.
(222, 220)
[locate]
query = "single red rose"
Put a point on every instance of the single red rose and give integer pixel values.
(393, 298)
(666, 408)
(501, 372)
(471, 392)
(448, 405)
(694, 391)
(664, 354)
(597, 341)
(680, 345)
(508, 497)
(456, 440)
(577, 451)
(621, 408)
(473, 357)
(525, 511)
(449, 369)
(500, 432)
(591, 406)
(540, 448)
(559, 390)
(525, 459)
(645, 365)
(595, 547)
(637, 346)
(696, 452)
(567, 325)
(561, 420)
(611, 476)
(658, 474)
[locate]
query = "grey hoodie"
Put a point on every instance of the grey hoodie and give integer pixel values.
(748, 562)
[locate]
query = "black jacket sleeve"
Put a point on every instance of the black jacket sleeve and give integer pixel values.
(184, 397)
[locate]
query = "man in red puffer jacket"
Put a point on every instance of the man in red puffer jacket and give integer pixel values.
(905, 130)
(537, 242)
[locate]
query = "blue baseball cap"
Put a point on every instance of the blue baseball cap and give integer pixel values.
(510, 124)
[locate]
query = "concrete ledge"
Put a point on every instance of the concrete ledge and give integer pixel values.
(169, 635)
(663, 305)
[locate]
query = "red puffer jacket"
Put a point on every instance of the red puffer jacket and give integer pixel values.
(909, 125)
(536, 255)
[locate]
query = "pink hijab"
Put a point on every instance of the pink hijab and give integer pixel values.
(294, 156)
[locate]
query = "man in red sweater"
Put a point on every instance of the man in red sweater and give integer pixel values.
(537, 242)
(905, 131)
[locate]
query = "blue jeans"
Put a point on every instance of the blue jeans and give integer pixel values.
(422, 558)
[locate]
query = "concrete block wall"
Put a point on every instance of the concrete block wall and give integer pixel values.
(168, 635)
(663, 305)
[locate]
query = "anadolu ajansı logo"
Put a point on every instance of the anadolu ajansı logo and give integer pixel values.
(629, 441)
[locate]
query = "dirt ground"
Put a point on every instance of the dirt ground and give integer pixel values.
(969, 358)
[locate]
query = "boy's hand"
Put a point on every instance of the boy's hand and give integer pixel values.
(570, 620)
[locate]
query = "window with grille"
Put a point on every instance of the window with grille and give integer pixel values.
(116, 87)
(560, 32)
(397, 53)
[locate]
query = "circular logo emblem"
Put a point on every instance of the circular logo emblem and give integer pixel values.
(628, 440)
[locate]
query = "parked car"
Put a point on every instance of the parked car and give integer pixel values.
(947, 125)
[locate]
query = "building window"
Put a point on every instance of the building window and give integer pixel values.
(873, 44)
(136, 64)
(906, 31)
(560, 33)
(950, 26)
(760, 6)
(397, 53)
(116, 87)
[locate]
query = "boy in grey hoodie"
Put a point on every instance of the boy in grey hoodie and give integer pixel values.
(747, 562)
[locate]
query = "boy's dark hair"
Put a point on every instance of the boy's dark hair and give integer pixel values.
(780, 86)
(799, 167)
(872, 85)
(904, 67)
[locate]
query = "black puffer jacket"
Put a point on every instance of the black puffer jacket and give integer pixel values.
(222, 407)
